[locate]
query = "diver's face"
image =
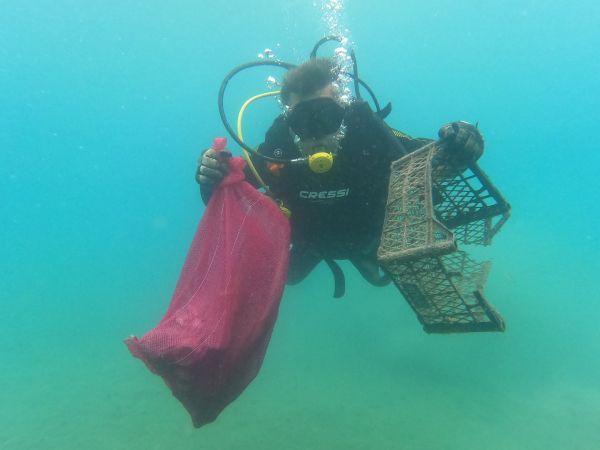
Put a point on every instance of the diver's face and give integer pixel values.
(323, 106)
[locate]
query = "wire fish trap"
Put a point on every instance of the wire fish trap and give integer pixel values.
(432, 207)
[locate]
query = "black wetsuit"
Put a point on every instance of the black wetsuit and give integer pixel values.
(338, 214)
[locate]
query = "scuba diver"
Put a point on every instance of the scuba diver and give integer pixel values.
(337, 199)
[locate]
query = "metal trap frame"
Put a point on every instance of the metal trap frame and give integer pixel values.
(432, 207)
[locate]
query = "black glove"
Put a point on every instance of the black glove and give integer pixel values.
(464, 142)
(211, 168)
(210, 171)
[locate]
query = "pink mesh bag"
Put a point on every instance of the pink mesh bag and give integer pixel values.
(211, 343)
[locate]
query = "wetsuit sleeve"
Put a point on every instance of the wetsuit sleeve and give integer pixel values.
(368, 130)
(396, 142)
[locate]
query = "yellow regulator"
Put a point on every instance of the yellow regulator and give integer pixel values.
(320, 162)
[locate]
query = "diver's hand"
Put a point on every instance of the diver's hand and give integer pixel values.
(211, 167)
(463, 140)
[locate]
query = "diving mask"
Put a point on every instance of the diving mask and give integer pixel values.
(316, 118)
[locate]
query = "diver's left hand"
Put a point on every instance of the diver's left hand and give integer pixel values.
(462, 139)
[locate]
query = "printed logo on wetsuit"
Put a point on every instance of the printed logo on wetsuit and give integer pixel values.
(313, 195)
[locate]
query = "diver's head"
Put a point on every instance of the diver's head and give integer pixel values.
(314, 112)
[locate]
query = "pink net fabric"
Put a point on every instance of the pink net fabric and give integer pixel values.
(211, 342)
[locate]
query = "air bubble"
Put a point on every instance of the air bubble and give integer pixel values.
(272, 82)
(332, 14)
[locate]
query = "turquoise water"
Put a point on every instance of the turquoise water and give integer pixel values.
(105, 107)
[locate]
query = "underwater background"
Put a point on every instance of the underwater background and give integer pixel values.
(105, 107)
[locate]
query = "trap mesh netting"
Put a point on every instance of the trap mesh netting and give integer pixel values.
(432, 208)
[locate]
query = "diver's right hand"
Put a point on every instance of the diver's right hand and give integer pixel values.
(211, 167)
